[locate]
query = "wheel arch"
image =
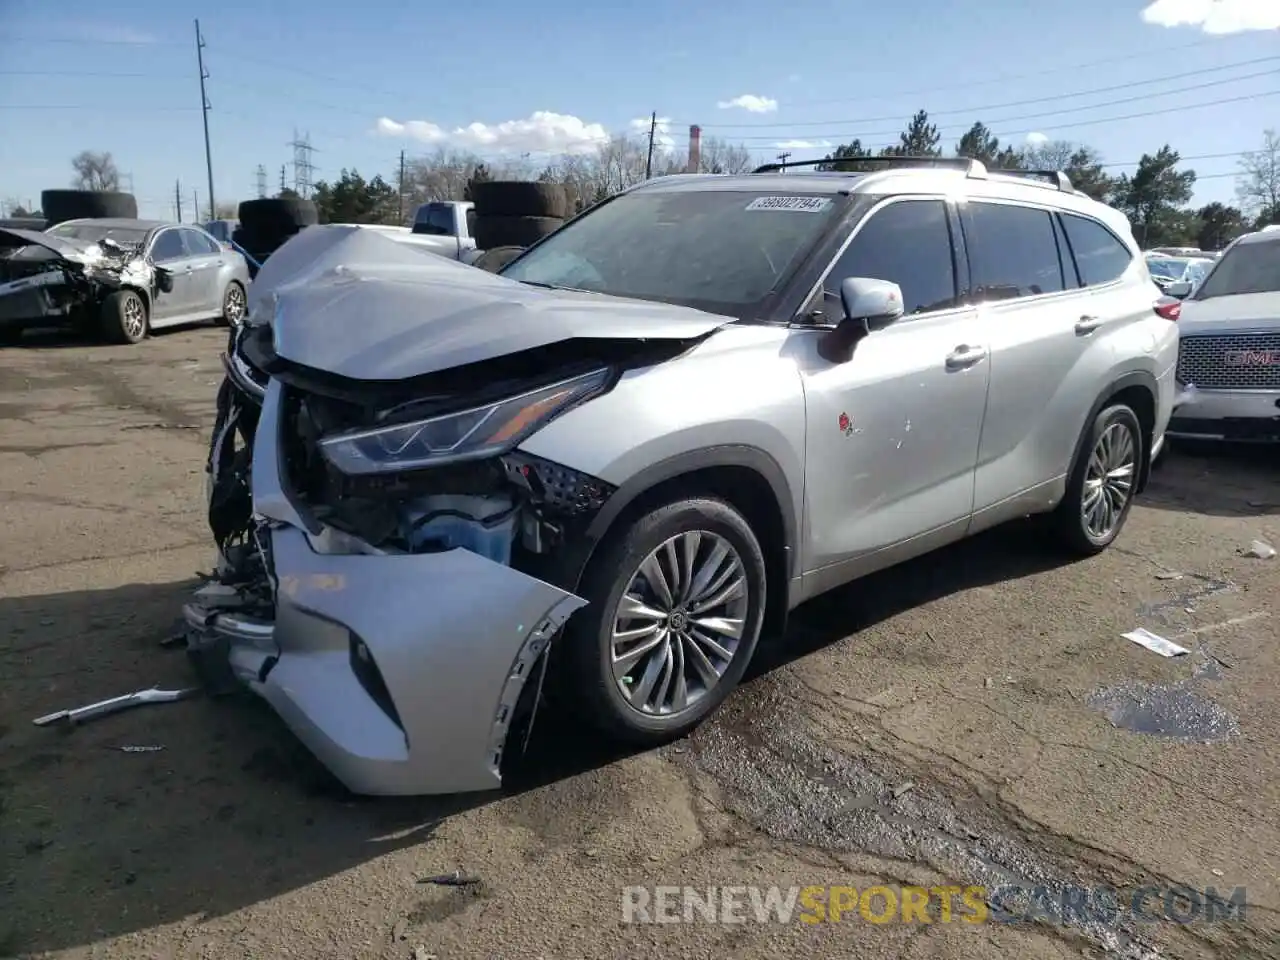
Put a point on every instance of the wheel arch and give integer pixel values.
(1138, 391)
(746, 477)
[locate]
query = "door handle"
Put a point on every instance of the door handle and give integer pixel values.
(1086, 325)
(963, 357)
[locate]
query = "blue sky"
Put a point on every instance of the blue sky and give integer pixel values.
(507, 78)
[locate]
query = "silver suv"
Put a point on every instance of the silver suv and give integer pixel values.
(616, 464)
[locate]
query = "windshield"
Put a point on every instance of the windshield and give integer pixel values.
(723, 251)
(95, 233)
(1196, 270)
(1246, 268)
(1166, 267)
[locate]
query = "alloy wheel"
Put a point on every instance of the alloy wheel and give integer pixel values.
(233, 307)
(1109, 481)
(679, 623)
(134, 318)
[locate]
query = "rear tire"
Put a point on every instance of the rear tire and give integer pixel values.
(1102, 484)
(519, 198)
(125, 317)
(640, 706)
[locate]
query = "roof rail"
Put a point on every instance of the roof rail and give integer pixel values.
(1056, 178)
(971, 167)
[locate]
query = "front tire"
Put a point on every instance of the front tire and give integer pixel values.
(1103, 482)
(124, 317)
(676, 602)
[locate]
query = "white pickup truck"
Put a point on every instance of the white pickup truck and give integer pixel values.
(446, 227)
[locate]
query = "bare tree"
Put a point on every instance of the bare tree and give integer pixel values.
(720, 156)
(95, 171)
(227, 211)
(1051, 155)
(1258, 186)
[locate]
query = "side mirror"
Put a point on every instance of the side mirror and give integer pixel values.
(873, 303)
(164, 280)
(1181, 290)
(869, 305)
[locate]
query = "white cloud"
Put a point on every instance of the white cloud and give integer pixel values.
(1215, 16)
(1037, 139)
(540, 132)
(751, 103)
(662, 137)
(804, 144)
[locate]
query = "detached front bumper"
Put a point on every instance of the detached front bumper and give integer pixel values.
(1239, 415)
(30, 299)
(400, 672)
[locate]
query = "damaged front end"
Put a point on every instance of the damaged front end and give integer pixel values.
(47, 278)
(388, 558)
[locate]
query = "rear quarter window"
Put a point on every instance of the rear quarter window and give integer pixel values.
(1100, 256)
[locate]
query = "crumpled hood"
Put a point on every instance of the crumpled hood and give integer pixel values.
(76, 251)
(1217, 315)
(355, 304)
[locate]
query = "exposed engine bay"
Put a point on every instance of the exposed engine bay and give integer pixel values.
(42, 276)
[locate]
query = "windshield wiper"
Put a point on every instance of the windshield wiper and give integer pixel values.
(545, 286)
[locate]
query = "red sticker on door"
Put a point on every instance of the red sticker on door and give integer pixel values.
(846, 424)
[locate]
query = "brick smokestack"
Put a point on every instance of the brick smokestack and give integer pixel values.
(695, 149)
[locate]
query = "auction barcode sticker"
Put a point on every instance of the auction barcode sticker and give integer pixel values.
(800, 204)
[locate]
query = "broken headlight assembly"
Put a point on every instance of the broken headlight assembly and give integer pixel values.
(473, 434)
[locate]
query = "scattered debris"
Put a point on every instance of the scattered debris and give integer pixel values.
(1155, 643)
(988, 683)
(1216, 873)
(115, 705)
(400, 931)
(1168, 575)
(902, 788)
(149, 748)
(455, 879)
(420, 953)
(1260, 550)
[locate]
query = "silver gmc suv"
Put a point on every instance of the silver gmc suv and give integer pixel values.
(610, 467)
(1229, 363)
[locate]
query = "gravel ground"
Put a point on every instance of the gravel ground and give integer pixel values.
(971, 718)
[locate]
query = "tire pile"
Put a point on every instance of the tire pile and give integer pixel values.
(512, 215)
(59, 206)
(266, 223)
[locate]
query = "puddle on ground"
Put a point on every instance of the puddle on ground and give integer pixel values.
(1165, 711)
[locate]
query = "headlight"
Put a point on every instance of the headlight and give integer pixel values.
(468, 435)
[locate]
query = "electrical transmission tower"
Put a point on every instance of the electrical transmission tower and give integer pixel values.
(303, 168)
(262, 181)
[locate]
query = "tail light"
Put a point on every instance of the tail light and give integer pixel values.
(1169, 307)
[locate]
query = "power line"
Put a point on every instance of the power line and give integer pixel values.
(92, 42)
(1061, 96)
(88, 73)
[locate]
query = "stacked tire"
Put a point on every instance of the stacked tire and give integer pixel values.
(515, 214)
(266, 223)
(59, 206)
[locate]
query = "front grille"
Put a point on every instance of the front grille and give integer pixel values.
(1240, 361)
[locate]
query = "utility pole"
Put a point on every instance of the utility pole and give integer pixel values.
(400, 192)
(282, 184)
(653, 129)
(262, 181)
(204, 109)
(783, 158)
(303, 168)
(177, 200)
(195, 206)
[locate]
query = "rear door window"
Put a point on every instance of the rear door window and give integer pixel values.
(908, 243)
(1099, 254)
(1013, 252)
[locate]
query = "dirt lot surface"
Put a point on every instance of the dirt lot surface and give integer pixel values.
(974, 718)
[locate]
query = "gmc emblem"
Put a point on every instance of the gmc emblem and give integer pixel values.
(1252, 358)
